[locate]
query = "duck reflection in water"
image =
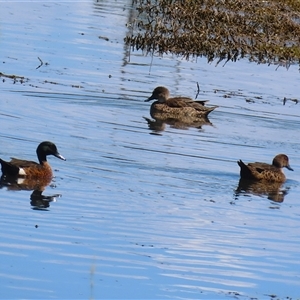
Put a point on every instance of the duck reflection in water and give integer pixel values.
(37, 199)
(178, 112)
(274, 191)
(158, 125)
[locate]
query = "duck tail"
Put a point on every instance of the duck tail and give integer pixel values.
(8, 168)
(245, 172)
(210, 109)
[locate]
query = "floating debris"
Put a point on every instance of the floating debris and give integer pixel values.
(290, 99)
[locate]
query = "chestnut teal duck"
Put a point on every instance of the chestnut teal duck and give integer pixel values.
(264, 171)
(24, 168)
(176, 107)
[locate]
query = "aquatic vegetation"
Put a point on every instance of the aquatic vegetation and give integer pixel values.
(262, 31)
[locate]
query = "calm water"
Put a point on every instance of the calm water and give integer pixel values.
(142, 214)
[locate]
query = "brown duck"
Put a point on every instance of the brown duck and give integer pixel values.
(176, 107)
(264, 171)
(24, 168)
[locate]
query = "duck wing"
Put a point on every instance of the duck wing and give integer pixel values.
(20, 163)
(186, 102)
(189, 100)
(260, 167)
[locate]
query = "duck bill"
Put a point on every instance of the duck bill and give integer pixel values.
(59, 156)
(289, 168)
(149, 99)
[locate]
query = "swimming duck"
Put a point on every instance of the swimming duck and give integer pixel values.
(23, 168)
(176, 107)
(263, 171)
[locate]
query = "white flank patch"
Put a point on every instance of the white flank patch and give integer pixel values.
(22, 172)
(20, 180)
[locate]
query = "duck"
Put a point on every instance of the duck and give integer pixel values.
(264, 171)
(176, 107)
(30, 169)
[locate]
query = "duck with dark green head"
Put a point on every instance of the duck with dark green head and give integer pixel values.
(30, 169)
